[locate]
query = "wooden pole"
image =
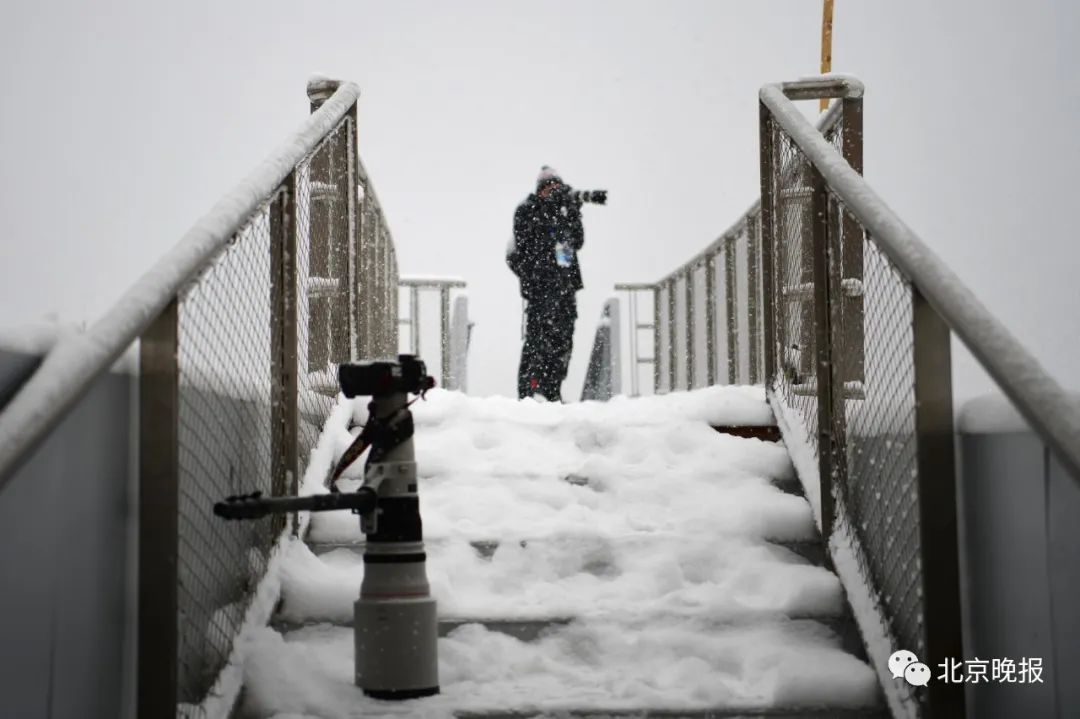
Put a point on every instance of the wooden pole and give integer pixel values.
(826, 46)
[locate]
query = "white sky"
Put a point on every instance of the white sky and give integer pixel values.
(122, 122)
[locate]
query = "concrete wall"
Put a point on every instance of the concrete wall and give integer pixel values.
(67, 560)
(1020, 563)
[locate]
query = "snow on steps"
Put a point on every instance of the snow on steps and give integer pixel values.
(664, 585)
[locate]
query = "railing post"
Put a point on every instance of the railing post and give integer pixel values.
(710, 318)
(356, 286)
(414, 320)
(673, 355)
(766, 139)
(159, 489)
(828, 440)
(690, 328)
(444, 331)
(938, 534)
(731, 302)
(753, 280)
(284, 365)
(656, 339)
(853, 361)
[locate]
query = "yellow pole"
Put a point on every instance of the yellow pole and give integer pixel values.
(826, 46)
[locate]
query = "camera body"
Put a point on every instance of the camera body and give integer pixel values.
(379, 378)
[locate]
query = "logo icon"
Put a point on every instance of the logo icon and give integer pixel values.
(905, 665)
(899, 661)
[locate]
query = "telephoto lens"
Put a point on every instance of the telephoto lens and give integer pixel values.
(597, 197)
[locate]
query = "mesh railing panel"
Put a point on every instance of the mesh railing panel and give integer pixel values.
(663, 296)
(323, 275)
(742, 303)
(880, 496)
(679, 335)
(720, 320)
(700, 325)
(225, 445)
(228, 355)
(793, 301)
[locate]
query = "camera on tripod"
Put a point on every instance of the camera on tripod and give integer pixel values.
(381, 377)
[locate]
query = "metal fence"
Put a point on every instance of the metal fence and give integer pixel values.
(454, 325)
(820, 292)
(239, 373)
(240, 328)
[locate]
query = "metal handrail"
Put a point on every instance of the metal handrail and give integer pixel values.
(1050, 412)
(416, 283)
(69, 369)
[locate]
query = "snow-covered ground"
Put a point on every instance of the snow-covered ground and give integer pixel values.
(633, 519)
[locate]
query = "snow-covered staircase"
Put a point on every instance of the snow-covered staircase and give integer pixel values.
(614, 559)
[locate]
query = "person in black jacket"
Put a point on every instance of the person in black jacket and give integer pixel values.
(548, 234)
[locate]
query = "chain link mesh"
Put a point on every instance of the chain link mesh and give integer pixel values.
(324, 275)
(793, 267)
(225, 445)
(231, 392)
(873, 354)
(880, 495)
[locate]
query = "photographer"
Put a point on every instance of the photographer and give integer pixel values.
(548, 234)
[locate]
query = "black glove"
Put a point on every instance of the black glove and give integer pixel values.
(598, 196)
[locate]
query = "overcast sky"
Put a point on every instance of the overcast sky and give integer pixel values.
(122, 122)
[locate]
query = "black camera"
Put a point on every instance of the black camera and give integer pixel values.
(382, 377)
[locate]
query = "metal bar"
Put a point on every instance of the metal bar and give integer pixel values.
(689, 329)
(730, 302)
(444, 331)
(634, 286)
(938, 535)
(159, 494)
(414, 313)
(656, 339)
(285, 460)
(431, 283)
(853, 359)
(752, 284)
(822, 322)
(817, 88)
(710, 319)
(1048, 409)
(634, 331)
(673, 355)
(766, 140)
(353, 239)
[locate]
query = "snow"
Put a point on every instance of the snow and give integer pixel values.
(662, 665)
(414, 279)
(990, 414)
(632, 518)
(844, 551)
(866, 606)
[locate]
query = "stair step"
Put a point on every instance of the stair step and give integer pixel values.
(729, 713)
(810, 550)
(529, 630)
(766, 433)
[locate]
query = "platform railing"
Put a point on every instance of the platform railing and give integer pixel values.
(822, 294)
(239, 330)
(455, 327)
(705, 319)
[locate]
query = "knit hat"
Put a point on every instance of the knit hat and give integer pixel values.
(547, 174)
